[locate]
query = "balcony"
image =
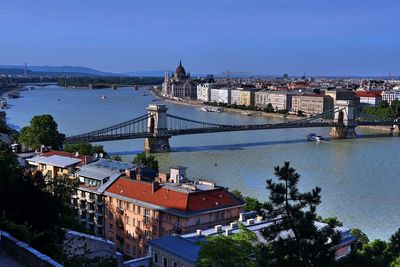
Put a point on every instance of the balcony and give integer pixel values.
(120, 211)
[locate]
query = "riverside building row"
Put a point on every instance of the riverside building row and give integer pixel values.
(130, 204)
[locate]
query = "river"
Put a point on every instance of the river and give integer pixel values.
(359, 178)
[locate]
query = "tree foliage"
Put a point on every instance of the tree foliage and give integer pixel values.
(146, 160)
(252, 204)
(303, 244)
(33, 210)
(230, 251)
(384, 110)
(41, 131)
(84, 148)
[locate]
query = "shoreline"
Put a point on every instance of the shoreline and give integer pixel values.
(195, 103)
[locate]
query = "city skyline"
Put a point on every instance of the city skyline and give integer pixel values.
(335, 38)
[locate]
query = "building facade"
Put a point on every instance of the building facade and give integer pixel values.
(179, 86)
(246, 98)
(94, 178)
(390, 96)
(137, 211)
(279, 100)
(221, 95)
(311, 104)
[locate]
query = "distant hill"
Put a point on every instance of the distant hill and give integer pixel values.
(56, 70)
(14, 71)
(154, 73)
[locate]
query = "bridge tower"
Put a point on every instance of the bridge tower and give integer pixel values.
(346, 120)
(157, 127)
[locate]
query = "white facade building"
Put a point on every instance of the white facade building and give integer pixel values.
(221, 95)
(390, 96)
(235, 96)
(278, 100)
(204, 92)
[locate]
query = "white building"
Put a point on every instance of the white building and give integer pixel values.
(235, 96)
(390, 96)
(279, 100)
(204, 91)
(221, 95)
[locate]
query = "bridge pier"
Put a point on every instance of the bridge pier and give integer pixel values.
(157, 126)
(345, 118)
(157, 145)
(343, 132)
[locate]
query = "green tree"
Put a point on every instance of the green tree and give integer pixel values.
(146, 160)
(331, 221)
(230, 251)
(4, 128)
(362, 238)
(252, 204)
(41, 131)
(116, 158)
(84, 148)
(295, 215)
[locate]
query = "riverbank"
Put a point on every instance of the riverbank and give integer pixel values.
(196, 103)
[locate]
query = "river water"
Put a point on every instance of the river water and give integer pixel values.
(359, 178)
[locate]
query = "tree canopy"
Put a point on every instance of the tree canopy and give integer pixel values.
(41, 131)
(304, 245)
(230, 251)
(147, 160)
(84, 148)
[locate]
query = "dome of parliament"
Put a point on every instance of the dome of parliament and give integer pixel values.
(180, 70)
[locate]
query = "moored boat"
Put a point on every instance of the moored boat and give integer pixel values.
(314, 137)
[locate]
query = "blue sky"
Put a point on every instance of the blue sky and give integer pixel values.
(318, 37)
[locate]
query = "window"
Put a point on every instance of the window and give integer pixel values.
(155, 257)
(164, 262)
(110, 199)
(197, 221)
(83, 194)
(146, 234)
(147, 216)
(174, 264)
(128, 221)
(120, 204)
(111, 227)
(133, 222)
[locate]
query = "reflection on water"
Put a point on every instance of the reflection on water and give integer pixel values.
(359, 178)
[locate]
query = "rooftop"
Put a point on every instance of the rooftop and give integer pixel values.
(55, 160)
(179, 246)
(182, 198)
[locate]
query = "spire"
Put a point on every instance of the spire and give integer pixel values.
(180, 63)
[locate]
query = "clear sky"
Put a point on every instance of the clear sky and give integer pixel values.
(318, 37)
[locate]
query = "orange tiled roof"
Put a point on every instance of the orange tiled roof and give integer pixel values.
(368, 93)
(168, 198)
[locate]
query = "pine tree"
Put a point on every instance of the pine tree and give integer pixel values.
(293, 239)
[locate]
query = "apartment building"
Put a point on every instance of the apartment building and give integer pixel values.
(390, 96)
(280, 100)
(369, 98)
(57, 163)
(312, 103)
(221, 95)
(184, 250)
(137, 211)
(246, 97)
(94, 179)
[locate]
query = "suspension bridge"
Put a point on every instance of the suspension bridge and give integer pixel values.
(158, 126)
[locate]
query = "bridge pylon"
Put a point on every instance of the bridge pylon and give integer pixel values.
(346, 120)
(157, 127)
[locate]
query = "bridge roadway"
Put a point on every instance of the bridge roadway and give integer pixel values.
(217, 129)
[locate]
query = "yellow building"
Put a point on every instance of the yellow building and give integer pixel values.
(246, 98)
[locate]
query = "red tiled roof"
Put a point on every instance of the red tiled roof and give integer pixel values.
(368, 93)
(168, 198)
(84, 159)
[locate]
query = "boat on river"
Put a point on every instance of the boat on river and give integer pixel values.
(313, 137)
(211, 109)
(103, 97)
(3, 104)
(246, 113)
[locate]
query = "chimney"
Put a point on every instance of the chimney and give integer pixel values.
(154, 186)
(218, 228)
(162, 177)
(242, 217)
(198, 232)
(139, 174)
(234, 225)
(129, 173)
(228, 231)
(250, 221)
